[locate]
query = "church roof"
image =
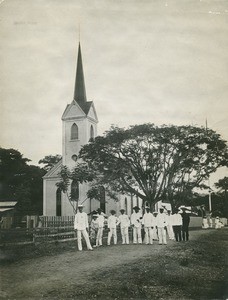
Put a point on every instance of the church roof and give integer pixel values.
(54, 171)
(80, 100)
(86, 106)
(79, 89)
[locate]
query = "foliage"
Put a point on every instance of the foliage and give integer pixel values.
(49, 161)
(21, 182)
(222, 184)
(154, 163)
(79, 174)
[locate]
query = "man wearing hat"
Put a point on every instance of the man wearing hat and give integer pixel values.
(185, 223)
(112, 223)
(100, 221)
(81, 225)
(161, 224)
(93, 228)
(169, 225)
(136, 222)
(148, 222)
(124, 224)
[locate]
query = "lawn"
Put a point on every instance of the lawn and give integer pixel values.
(186, 270)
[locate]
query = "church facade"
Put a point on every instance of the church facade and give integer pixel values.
(79, 124)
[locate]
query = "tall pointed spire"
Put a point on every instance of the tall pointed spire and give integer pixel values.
(79, 89)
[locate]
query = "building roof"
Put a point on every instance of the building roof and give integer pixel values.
(53, 172)
(5, 209)
(8, 204)
(79, 89)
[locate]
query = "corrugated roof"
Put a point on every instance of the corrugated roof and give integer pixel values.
(5, 209)
(8, 203)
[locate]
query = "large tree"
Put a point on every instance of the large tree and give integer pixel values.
(222, 185)
(154, 163)
(20, 182)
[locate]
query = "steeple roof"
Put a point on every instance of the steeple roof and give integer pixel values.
(79, 89)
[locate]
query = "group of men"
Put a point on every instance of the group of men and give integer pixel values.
(146, 227)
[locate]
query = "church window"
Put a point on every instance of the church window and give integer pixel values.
(74, 132)
(74, 190)
(58, 203)
(74, 157)
(91, 132)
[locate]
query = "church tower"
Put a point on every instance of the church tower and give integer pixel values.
(79, 119)
(79, 125)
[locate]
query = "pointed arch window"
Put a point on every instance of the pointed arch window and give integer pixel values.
(74, 132)
(74, 190)
(58, 203)
(91, 132)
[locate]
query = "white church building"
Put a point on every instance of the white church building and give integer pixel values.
(79, 124)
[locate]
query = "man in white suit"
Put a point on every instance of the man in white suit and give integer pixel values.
(161, 221)
(136, 222)
(81, 225)
(148, 222)
(124, 224)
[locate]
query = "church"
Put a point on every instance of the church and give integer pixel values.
(79, 124)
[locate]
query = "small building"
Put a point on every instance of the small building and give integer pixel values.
(7, 209)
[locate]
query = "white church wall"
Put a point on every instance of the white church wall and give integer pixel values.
(71, 147)
(49, 197)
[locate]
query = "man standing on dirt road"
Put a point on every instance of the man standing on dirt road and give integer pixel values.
(161, 224)
(81, 225)
(136, 222)
(100, 221)
(185, 224)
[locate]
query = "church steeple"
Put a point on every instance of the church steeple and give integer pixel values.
(79, 89)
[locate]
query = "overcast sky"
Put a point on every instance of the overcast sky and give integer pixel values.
(159, 61)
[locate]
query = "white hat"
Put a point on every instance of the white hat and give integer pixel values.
(80, 205)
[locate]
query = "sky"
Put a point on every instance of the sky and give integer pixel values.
(158, 61)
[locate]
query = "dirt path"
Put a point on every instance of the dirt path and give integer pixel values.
(45, 276)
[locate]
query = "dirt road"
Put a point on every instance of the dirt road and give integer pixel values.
(80, 275)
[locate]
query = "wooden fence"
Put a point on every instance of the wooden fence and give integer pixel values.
(53, 221)
(57, 229)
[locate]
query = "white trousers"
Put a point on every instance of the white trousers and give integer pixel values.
(86, 237)
(155, 234)
(125, 235)
(148, 235)
(170, 232)
(162, 235)
(112, 232)
(99, 236)
(137, 237)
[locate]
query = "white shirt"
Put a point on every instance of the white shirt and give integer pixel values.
(176, 220)
(112, 221)
(148, 220)
(135, 219)
(169, 219)
(155, 221)
(81, 221)
(161, 220)
(124, 221)
(100, 221)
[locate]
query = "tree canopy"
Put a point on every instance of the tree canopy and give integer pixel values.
(49, 161)
(20, 182)
(155, 163)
